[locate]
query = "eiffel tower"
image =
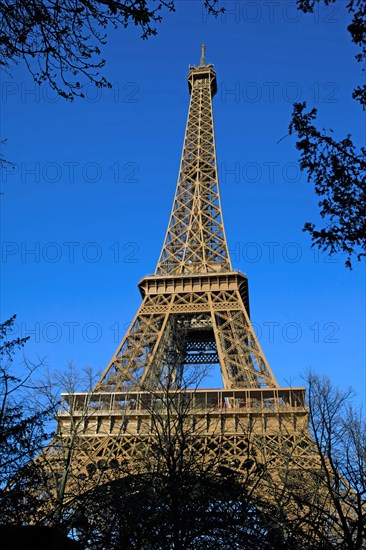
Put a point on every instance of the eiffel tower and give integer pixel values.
(194, 316)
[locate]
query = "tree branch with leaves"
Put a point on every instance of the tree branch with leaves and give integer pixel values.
(61, 42)
(22, 427)
(337, 168)
(338, 171)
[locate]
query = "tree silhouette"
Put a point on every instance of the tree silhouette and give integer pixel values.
(61, 42)
(337, 168)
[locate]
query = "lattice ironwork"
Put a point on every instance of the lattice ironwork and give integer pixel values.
(260, 434)
(217, 327)
(195, 240)
(194, 285)
(194, 314)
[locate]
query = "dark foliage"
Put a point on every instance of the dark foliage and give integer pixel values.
(187, 511)
(33, 537)
(338, 171)
(357, 30)
(22, 432)
(60, 42)
(4, 162)
(339, 433)
(336, 168)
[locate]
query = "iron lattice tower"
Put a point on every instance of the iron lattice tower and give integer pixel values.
(194, 284)
(194, 315)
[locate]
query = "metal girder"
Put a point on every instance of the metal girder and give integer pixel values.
(217, 319)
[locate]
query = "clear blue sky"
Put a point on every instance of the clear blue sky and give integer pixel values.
(94, 181)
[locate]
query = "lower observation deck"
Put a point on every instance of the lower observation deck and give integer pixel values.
(119, 433)
(131, 412)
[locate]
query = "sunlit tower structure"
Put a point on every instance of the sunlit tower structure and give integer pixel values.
(195, 308)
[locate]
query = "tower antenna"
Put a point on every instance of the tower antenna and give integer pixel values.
(203, 59)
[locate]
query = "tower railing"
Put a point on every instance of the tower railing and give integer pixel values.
(207, 400)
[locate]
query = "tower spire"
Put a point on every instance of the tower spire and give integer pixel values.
(203, 59)
(195, 241)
